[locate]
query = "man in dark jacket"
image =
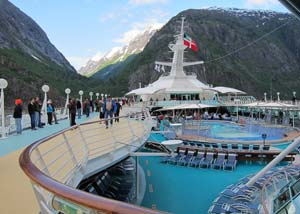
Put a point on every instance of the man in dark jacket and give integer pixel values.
(72, 111)
(119, 107)
(31, 111)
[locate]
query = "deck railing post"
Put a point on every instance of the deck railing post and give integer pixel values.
(70, 150)
(44, 209)
(42, 162)
(114, 139)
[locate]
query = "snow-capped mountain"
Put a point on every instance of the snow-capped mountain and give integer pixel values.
(119, 54)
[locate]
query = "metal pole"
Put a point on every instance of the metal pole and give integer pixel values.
(2, 114)
(81, 104)
(45, 108)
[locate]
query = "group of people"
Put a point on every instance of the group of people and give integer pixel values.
(34, 109)
(106, 108)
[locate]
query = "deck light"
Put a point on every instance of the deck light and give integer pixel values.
(81, 93)
(3, 85)
(265, 95)
(264, 136)
(91, 95)
(45, 89)
(67, 91)
(278, 98)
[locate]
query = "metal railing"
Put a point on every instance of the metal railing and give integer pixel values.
(10, 126)
(56, 164)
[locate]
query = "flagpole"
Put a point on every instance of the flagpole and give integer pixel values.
(182, 24)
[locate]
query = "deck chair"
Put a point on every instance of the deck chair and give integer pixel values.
(207, 161)
(196, 160)
(219, 162)
(231, 162)
(185, 160)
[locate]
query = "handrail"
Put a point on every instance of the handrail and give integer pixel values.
(76, 196)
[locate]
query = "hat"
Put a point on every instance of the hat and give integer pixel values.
(18, 101)
(49, 102)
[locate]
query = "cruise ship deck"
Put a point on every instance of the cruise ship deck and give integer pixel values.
(16, 188)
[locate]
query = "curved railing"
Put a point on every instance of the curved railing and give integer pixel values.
(56, 164)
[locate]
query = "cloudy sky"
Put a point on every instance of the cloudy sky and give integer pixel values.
(85, 29)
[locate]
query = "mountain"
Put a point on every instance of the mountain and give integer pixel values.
(225, 38)
(29, 60)
(118, 57)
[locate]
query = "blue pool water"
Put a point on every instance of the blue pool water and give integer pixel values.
(231, 131)
(183, 190)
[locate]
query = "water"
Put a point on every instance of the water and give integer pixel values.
(230, 131)
(182, 190)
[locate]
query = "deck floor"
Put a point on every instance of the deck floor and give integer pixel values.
(16, 193)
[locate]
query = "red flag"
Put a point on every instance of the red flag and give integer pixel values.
(187, 41)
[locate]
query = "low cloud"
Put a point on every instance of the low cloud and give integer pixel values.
(77, 61)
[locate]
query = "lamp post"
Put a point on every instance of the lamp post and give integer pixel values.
(80, 94)
(3, 85)
(294, 97)
(97, 95)
(105, 96)
(278, 98)
(67, 91)
(265, 95)
(264, 136)
(91, 95)
(102, 96)
(45, 89)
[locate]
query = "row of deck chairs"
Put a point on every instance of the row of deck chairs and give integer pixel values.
(250, 147)
(116, 183)
(203, 160)
(239, 198)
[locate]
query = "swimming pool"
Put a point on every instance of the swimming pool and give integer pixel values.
(232, 131)
(181, 190)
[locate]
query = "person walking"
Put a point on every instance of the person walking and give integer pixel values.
(78, 105)
(37, 114)
(109, 108)
(87, 107)
(117, 114)
(101, 113)
(72, 112)
(54, 113)
(18, 115)
(49, 111)
(31, 111)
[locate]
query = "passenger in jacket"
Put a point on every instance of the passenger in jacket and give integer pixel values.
(18, 115)
(31, 112)
(72, 112)
(50, 110)
(109, 108)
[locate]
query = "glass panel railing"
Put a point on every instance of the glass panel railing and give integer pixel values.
(68, 207)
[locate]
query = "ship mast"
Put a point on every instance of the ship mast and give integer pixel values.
(178, 48)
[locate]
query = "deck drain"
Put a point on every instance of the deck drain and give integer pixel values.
(150, 188)
(148, 173)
